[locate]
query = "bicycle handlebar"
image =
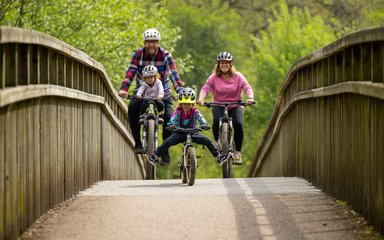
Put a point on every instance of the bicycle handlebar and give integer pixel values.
(187, 130)
(225, 104)
(150, 98)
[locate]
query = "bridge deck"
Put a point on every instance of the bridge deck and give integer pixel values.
(248, 208)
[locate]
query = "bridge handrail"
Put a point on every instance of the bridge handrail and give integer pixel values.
(326, 124)
(370, 88)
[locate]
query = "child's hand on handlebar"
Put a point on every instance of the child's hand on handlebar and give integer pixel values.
(138, 96)
(200, 102)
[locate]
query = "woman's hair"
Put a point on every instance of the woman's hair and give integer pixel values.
(217, 71)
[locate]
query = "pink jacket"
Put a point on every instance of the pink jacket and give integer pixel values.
(227, 90)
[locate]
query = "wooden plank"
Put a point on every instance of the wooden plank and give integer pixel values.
(326, 142)
(339, 69)
(69, 142)
(356, 63)
(45, 175)
(52, 67)
(347, 65)
(2, 171)
(60, 166)
(336, 154)
(60, 70)
(22, 164)
(10, 63)
(43, 65)
(11, 185)
(377, 60)
(22, 64)
(33, 64)
(377, 166)
(366, 62)
(2, 66)
(79, 148)
(86, 143)
(69, 72)
(33, 161)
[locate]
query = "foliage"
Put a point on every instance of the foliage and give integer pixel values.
(265, 37)
(107, 30)
(292, 34)
(206, 31)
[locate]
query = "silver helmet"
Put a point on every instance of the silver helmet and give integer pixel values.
(151, 34)
(149, 71)
(225, 56)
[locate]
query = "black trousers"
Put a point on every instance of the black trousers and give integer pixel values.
(134, 108)
(237, 115)
(159, 106)
(177, 138)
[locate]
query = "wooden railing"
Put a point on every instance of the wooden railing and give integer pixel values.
(328, 123)
(62, 127)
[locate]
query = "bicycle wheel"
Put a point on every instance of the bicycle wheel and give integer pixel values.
(183, 172)
(191, 165)
(224, 144)
(150, 148)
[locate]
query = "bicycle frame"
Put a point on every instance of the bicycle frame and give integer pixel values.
(151, 113)
(149, 135)
(226, 128)
(188, 159)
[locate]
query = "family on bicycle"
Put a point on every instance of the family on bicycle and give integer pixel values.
(153, 67)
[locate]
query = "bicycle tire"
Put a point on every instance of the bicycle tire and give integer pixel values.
(224, 145)
(150, 148)
(191, 165)
(183, 172)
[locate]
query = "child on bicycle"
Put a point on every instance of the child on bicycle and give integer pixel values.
(152, 87)
(187, 116)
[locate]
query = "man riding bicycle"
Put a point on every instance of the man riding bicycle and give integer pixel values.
(150, 54)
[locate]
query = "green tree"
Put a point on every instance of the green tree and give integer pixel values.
(207, 29)
(291, 35)
(107, 30)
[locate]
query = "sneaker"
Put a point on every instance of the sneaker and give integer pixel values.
(152, 159)
(237, 160)
(138, 149)
(221, 159)
(165, 160)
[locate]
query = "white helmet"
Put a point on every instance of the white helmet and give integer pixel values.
(225, 56)
(151, 34)
(149, 71)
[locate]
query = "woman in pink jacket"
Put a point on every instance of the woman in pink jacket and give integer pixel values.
(227, 85)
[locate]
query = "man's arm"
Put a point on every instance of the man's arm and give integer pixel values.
(130, 74)
(173, 73)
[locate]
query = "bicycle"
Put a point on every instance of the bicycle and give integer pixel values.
(225, 142)
(149, 135)
(188, 158)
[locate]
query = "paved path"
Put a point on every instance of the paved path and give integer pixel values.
(246, 208)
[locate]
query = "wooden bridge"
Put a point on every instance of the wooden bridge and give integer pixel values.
(63, 127)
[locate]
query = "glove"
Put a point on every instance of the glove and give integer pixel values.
(205, 127)
(171, 127)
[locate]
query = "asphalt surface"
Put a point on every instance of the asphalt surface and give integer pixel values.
(245, 208)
